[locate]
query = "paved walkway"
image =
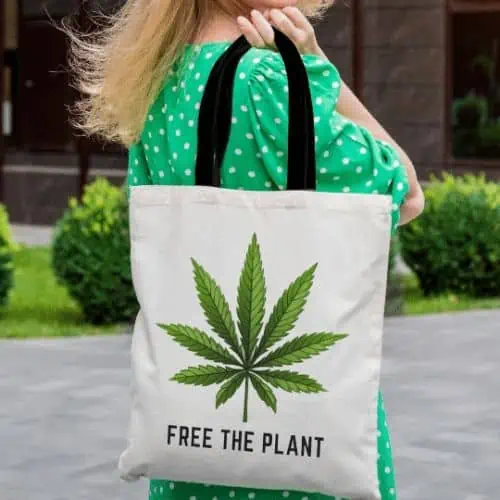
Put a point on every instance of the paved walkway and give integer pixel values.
(32, 235)
(42, 235)
(63, 412)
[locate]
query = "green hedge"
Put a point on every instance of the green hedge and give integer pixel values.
(395, 298)
(7, 248)
(475, 134)
(454, 246)
(91, 254)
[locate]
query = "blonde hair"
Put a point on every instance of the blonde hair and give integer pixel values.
(121, 67)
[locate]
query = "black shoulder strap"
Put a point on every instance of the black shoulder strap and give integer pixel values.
(216, 110)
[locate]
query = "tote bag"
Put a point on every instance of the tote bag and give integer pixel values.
(256, 352)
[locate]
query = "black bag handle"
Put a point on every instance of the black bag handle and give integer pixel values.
(216, 109)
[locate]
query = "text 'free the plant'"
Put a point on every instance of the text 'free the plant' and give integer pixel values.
(245, 441)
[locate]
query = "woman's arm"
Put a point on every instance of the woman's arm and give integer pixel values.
(351, 107)
(138, 170)
(295, 25)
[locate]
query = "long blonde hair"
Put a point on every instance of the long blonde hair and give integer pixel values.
(120, 67)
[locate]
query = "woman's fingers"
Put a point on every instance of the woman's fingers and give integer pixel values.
(299, 19)
(296, 25)
(259, 32)
(263, 27)
(250, 32)
(284, 24)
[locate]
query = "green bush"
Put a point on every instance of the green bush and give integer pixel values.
(475, 133)
(394, 298)
(91, 254)
(454, 246)
(489, 140)
(470, 112)
(7, 248)
(466, 143)
(481, 142)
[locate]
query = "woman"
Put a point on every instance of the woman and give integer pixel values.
(144, 78)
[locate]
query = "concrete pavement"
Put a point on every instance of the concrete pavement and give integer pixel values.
(64, 403)
(32, 235)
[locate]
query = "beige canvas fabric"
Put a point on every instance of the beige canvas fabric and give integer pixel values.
(256, 353)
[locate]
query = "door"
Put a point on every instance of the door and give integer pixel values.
(44, 92)
(94, 145)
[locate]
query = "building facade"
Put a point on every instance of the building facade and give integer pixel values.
(429, 70)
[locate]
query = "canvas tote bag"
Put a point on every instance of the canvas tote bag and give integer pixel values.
(256, 352)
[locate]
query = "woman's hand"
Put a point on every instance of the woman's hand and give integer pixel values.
(290, 20)
(349, 106)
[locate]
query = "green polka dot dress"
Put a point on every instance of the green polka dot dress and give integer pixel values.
(349, 160)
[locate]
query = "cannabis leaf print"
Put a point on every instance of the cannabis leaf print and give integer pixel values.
(248, 355)
(256, 159)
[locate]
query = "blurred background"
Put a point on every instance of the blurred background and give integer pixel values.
(429, 70)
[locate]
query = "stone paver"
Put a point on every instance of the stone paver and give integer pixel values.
(32, 235)
(63, 412)
(42, 235)
(442, 384)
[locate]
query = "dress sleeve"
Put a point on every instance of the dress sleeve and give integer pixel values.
(349, 159)
(364, 164)
(397, 178)
(138, 170)
(268, 88)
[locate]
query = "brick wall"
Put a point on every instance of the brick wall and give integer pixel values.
(404, 87)
(37, 187)
(404, 70)
(335, 34)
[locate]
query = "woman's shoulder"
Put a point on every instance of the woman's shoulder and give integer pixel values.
(262, 94)
(262, 87)
(266, 66)
(262, 69)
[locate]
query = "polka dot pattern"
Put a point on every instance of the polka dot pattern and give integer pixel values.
(349, 161)
(168, 490)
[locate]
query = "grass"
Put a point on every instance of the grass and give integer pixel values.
(39, 306)
(416, 303)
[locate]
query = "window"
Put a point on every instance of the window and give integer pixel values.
(475, 78)
(56, 8)
(91, 7)
(10, 45)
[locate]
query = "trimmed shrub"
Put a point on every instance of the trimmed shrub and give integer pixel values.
(91, 254)
(7, 248)
(470, 111)
(475, 134)
(454, 246)
(489, 140)
(394, 299)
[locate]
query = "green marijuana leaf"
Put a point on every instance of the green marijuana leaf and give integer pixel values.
(265, 392)
(287, 311)
(228, 390)
(200, 343)
(300, 349)
(251, 299)
(248, 359)
(215, 306)
(204, 375)
(292, 381)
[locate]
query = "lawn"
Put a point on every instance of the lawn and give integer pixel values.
(416, 303)
(38, 306)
